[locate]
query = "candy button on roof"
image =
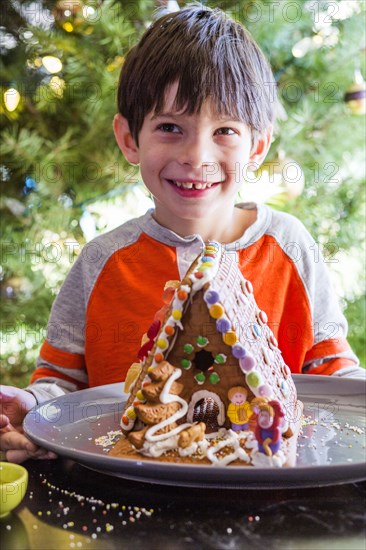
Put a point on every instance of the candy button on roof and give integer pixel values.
(217, 311)
(253, 379)
(257, 331)
(262, 316)
(249, 287)
(230, 338)
(211, 297)
(246, 363)
(238, 351)
(264, 391)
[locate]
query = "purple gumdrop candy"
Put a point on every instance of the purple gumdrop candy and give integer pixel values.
(223, 324)
(264, 391)
(211, 297)
(246, 363)
(238, 351)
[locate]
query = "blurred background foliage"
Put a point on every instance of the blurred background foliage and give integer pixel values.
(63, 179)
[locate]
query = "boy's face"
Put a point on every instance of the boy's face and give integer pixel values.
(193, 165)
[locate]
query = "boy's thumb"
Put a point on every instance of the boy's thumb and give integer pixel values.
(4, 421)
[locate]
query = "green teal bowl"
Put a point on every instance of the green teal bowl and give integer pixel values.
(13, 486)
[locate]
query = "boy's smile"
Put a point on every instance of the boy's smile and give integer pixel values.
(193, 165)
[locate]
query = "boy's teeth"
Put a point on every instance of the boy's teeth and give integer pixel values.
(190, 185)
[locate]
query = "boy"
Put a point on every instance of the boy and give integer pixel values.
(196, 106)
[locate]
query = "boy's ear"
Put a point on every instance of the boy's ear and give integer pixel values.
(260, 150)
(125, 141)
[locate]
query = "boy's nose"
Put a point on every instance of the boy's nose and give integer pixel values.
(195, 153)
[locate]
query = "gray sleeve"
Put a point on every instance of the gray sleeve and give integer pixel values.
(329, 323)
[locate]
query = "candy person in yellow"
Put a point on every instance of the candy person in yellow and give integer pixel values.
(239, 410)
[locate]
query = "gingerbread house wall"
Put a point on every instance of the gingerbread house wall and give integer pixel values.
(197, 321)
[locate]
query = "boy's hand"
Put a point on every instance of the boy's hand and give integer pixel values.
(14, 405)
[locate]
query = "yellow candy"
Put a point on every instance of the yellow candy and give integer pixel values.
(130, 413)
(140, 395)
(162, 343)
(230, 338)
(132, 374)
(211, 248)
(206, 264)
(177, 315)
(217, 311)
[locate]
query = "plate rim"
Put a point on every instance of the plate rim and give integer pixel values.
(144, 470)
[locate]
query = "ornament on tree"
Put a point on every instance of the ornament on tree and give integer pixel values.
(73, 16)
(355, 96)
(15, 287)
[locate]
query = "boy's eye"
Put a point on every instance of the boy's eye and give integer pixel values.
(168, 127)
(225, 132)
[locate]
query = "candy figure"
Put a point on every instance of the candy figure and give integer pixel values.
(239, 411)
(269, 421)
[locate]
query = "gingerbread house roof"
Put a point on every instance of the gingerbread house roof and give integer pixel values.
(215, 337)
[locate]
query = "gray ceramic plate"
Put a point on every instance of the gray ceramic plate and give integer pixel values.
(331, 448)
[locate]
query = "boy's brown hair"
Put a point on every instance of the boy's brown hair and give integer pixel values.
(210, 56)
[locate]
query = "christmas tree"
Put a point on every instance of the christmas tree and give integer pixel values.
(63, 179)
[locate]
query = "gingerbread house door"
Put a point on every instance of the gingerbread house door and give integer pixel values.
(206, 407)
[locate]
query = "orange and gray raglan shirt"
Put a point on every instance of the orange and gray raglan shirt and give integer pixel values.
(115, 287)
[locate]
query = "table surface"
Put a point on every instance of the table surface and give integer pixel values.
(70, 506)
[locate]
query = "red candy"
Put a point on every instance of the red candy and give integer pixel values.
(182, 295)
(198, 274)
(125, 420)
(169, 330)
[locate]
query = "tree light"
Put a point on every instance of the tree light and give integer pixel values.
(301, 48)
(52, 64)
(67, 26)
(11, 99)
(57, 84)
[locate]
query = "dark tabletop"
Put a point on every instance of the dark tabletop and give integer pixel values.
(70, 506)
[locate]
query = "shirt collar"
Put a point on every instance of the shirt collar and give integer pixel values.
(151, 227)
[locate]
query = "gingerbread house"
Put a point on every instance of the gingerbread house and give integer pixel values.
(213, 340)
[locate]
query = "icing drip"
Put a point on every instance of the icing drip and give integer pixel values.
(208, 448)
(209, 273)
(263, 461)
(231, 439)
(167, 397)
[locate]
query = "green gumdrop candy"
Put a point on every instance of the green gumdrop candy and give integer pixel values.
(185, 363)
(202, 341)
(188, 348)
(214, 378)
(253, 379)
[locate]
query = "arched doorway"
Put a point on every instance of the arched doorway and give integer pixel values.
(206, 407)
